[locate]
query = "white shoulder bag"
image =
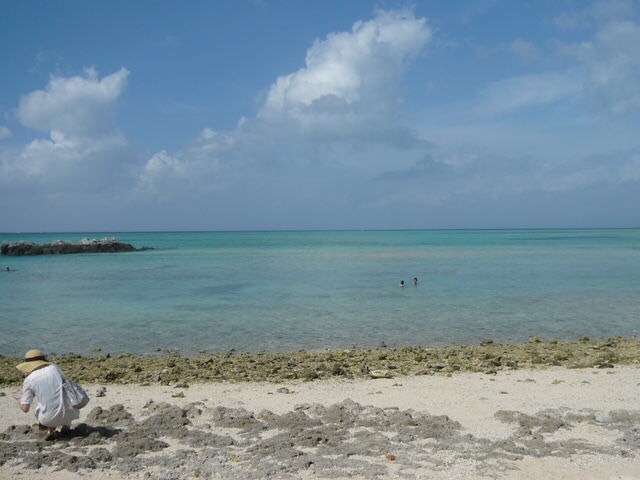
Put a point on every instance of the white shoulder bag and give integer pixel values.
(75, 393)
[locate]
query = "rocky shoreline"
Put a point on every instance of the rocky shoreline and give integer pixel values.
(169, 368)
(570, 423)
(86, 245)
(343, 440)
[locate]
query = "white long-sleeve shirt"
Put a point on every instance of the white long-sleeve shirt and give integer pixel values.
(54, 409)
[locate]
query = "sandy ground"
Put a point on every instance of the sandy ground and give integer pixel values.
(524, 424)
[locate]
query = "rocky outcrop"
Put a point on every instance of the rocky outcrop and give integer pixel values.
(86, 245)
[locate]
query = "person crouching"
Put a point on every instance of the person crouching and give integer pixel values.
(44, 381)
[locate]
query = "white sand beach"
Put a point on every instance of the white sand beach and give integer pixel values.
(554, 423)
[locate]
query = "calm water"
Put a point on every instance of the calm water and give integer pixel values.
(289, 290)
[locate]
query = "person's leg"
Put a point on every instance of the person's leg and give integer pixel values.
(48, 429)
(44, 432)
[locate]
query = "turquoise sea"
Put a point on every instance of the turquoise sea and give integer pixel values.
(278, 291)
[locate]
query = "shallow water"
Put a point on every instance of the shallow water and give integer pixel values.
(287, 290)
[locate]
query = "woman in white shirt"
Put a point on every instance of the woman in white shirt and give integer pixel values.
(44, 381)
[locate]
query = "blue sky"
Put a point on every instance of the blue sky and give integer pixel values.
(267, 114)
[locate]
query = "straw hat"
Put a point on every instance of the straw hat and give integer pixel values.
(32, 359)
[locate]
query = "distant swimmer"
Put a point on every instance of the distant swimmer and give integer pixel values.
(401, 284)
(7, 269)
(415, 280)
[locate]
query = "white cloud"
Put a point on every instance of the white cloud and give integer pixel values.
(348, 89)
(66, 164)
(191, 171)
(350, 77)
(606, 73)
(528, 91)
(74, 106)
(443, 175)
(84, 150)
(212, 144)
(4, 132)
(612, 61)
(348, 92)
(159, 170)
(345, 99)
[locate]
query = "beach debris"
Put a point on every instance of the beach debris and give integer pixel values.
(391, 457)
(380, 374)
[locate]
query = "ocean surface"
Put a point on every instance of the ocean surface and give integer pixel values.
(282, 291)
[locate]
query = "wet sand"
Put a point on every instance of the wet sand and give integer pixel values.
(436, 421)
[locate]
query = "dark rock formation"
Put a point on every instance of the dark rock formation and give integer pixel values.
(105, 245)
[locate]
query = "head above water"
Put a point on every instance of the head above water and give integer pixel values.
(32, 359)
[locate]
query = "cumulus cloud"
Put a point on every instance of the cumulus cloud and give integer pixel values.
(196, 168)
(350, 77)
(331, 136)
(74, 106)
(159, 170)
(66, 164)
(85, 149)
(349, 89)
(347, 92)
